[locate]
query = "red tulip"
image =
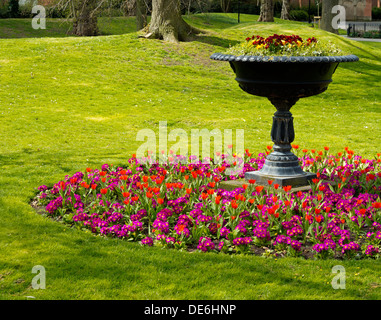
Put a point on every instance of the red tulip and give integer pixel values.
(376, 205)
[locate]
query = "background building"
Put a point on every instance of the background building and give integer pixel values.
(356, 10)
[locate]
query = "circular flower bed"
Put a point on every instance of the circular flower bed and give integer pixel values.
(178, 205)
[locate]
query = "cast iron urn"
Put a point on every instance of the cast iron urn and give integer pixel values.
(283, 80)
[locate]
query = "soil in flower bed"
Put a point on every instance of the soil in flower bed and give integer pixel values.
(178, 204)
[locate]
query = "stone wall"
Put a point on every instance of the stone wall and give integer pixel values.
(357, 9)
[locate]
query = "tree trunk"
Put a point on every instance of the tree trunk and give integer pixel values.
(141, 14)
(327, 15)
(285, 14)
(267, 11)
(167, 23)
(85, 20)
(225, 5)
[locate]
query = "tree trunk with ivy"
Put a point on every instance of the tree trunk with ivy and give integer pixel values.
(167, 23)
(327, 15)
(285, 14)
(267, 11)
(85, 19)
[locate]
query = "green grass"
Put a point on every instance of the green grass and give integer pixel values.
(67, 103)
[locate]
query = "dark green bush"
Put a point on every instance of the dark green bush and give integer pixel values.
(299, 15)
(9, 9)
(376, 13)
(14, 10)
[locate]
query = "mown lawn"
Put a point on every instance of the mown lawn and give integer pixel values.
(68, 103)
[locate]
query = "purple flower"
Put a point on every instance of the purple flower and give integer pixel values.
(296, 245)
(242, 241)
(139, 215)
(327, 245)
(371, 250)
(224, 232)
(349, 247)
(53, 205)
(80, 216)
(161, 225)
(221, 245)
(205, 244)
(213, 228)
(261, 233)
(295, 231)
(42, 188)
(170, 240)
(114, 217)
(147, 241)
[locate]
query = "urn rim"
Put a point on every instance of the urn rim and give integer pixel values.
(283, 59)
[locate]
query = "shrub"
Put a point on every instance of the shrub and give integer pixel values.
(9, 9)
(26, 9)
(376, 13)
(372, 34)
(299, 15)
(14, 10)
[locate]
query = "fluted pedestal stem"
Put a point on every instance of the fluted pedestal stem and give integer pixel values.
(282, 166)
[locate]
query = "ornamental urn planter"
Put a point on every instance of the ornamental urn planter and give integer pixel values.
(283, 80)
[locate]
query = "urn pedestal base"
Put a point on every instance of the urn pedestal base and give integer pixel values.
(295, 181)
(282, 167)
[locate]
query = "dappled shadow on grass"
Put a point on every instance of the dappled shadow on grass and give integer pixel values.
(214, 40)
(364, 51)
(371, 71)
(218, 20)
